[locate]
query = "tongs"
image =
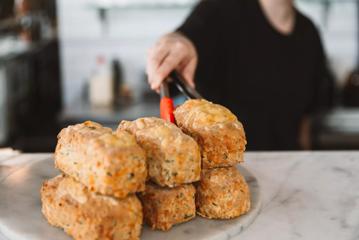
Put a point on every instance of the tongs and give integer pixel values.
(166, 104)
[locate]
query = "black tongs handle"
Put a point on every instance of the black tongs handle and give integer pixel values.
(183, 86)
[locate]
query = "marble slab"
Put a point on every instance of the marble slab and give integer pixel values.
(21, 219)
(306, 195)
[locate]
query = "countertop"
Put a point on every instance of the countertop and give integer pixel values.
(305, 195)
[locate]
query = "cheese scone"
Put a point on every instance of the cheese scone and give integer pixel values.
(222, 193)
(107, 163)
(85, 215)
(173, 157)
(165, 207)
(218, 132)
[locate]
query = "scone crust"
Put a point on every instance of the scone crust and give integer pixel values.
(222, 193)
(165, 207)
(85, 215)
(107, 163)
(218, 132)
(173, 157)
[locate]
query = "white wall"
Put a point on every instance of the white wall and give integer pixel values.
(339, 34)
(131, 32)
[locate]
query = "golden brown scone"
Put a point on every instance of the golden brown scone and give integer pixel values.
(107, 163)
(173, 158)
(85, 215)
(218, 132)
(222, 193)
(165, 207)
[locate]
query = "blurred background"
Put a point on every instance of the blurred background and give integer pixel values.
(66, 61)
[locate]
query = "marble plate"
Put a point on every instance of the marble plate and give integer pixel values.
(21, 218)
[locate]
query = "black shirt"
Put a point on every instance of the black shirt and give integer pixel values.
(269, 80)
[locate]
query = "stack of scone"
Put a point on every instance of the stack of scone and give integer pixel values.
(174, 163)
(95, 197)
(222, 192)
(175, 171)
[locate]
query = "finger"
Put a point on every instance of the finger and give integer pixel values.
(149, 65)
(149, 60)
(155, 59)
(160, 51)
(157, 90)
(188, 72)
(170, 63)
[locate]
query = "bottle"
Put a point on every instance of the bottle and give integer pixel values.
(101, 93)
(117, 80)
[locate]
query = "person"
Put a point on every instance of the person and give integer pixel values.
(262, 59)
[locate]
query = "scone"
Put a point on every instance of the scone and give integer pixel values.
(85, 215)
(165, 207)
(218, 132)
(173, 157)
(222, 193)
(107, 163)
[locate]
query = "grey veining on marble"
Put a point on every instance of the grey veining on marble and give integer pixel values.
(307, 195)
(10, 164)
(21, 219)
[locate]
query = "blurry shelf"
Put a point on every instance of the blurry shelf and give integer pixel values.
(108, 116)
(169, 4)
(12, 48)
(337, 129)
(342, 120)
(141, 4)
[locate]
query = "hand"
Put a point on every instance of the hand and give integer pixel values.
(172, 52)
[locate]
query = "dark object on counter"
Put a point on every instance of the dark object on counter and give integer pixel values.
(117, 72)
(33, 97)
(351, 90)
